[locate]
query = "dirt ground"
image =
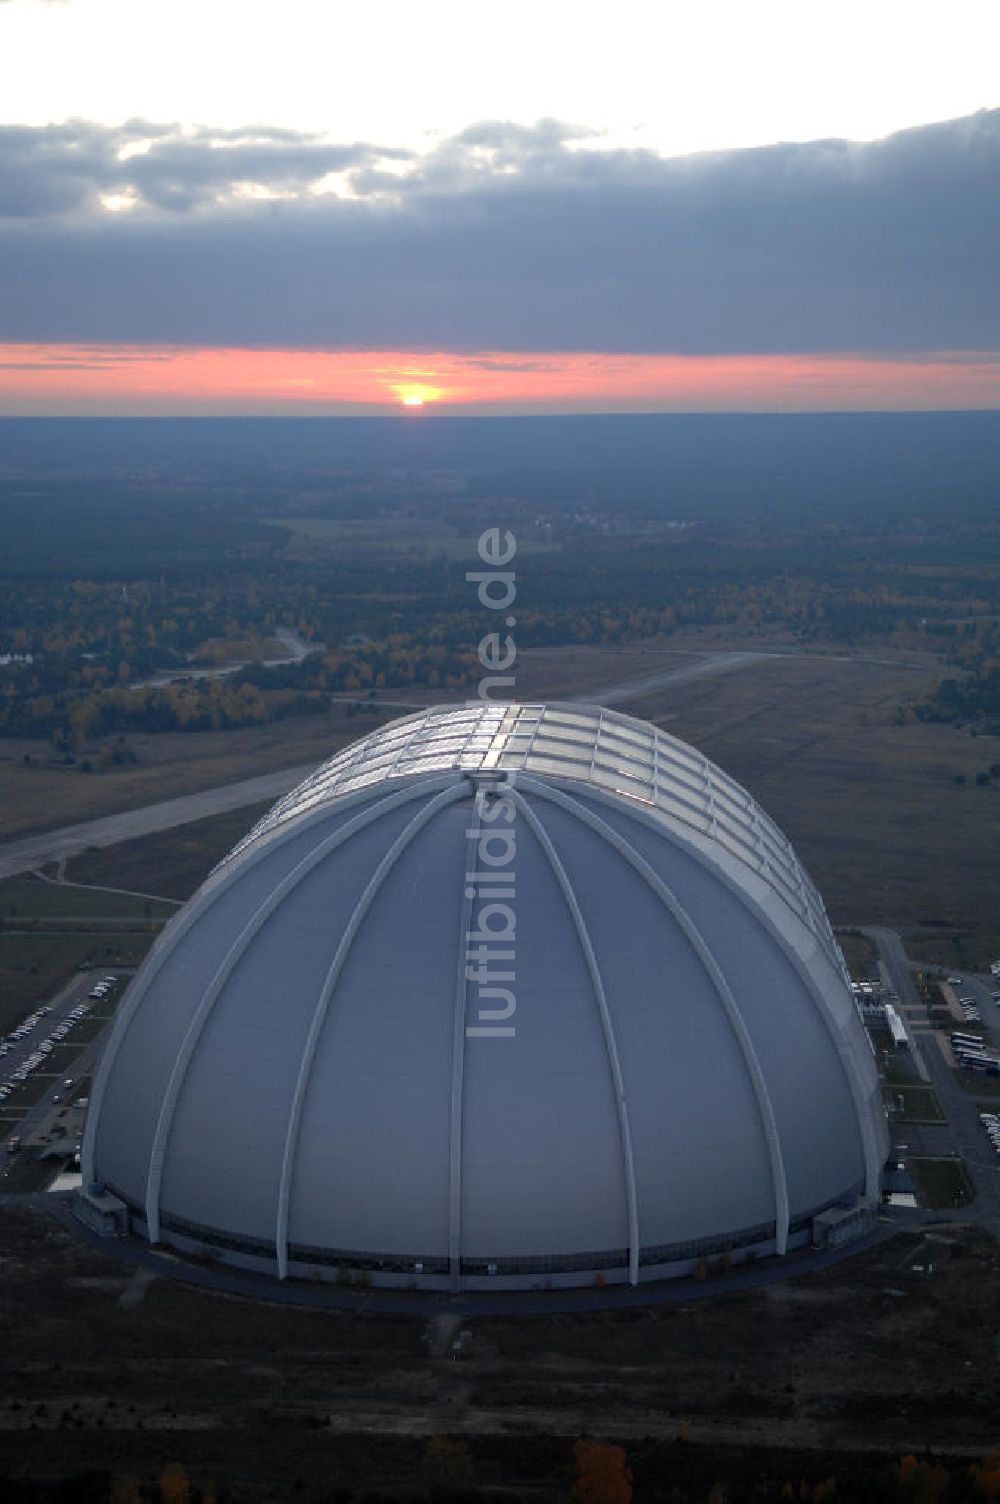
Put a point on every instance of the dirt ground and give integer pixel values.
(104, 1367)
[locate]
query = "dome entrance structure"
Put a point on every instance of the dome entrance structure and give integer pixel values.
(502, 995)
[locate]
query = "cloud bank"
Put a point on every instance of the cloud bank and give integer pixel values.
(503, 237)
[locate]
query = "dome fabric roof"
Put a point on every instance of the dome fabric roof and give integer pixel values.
(336, 1056)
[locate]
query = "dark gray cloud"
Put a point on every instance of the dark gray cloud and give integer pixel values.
(62, 169)
(502, 238)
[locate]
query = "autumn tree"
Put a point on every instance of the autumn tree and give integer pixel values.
(922, 1482)
(125, 1490)
(986, 1479)
(603, 1475)
(175, 1487)
(447, 1470)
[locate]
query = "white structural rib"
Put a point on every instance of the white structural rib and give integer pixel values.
(214, 887)
(457, 1107)
(618, 1086)
(364, 903)
(721, 987)
(212, 993)
(872, 1154)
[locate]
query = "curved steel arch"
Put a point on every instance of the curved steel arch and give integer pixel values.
(457, 1105)
(873, 1158)
(211, 994)
(364, 903)
(600, 997)
(721, 987)
(211, 890)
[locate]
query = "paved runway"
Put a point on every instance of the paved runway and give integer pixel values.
(110, 830)
(52, 846)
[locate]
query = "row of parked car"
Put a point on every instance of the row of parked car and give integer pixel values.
(967, 1004)
(41, 1055)
(23, 1029)
(991, 1122)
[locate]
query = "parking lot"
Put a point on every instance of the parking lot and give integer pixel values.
(991, 1127)
(45, 1065)
(952, 1052)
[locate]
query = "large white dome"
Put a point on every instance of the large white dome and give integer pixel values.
(337, 1057)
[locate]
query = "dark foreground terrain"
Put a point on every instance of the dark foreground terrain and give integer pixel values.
(107, 1378)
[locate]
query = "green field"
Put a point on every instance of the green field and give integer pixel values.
(977, 1085)
(21, 897)
(33, 967)
(869, 804)
(36, 1085)
(46, 794)
(898, 1069)
(407, 536)
(859, 952)
(958, 950)
(26, 1172)
(920, 1104)
(943, 1182)
(177, 860)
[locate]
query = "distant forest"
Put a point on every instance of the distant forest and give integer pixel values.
(139, 548)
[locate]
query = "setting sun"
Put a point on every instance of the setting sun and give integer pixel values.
(416, 393)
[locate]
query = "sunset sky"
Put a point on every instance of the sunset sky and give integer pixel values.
(228, 207)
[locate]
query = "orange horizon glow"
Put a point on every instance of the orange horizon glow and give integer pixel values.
(119, 380)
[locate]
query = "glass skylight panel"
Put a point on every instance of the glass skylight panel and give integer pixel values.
(635, 788)
(627, 734)
(778, 858)
(568, 734)
(628, 757)
(537, 764)
(430, 764)
(634, 772)
(574, 744)
(668, 760)
(569, 764)
(581, 752)
(684, 811)
(605, 778)
(694, 788)
(573, 718)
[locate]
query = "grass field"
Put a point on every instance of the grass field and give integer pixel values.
(977, 1085)
(920, 1105)
(176, 860)
(958, 950)
(26, 1172)
(859, 952)
(29, 1091)
(30, 896)
(943, 1182)
(897, 1072)
(835, 1373)
(32, 967)
(43, 797)
(870, 804)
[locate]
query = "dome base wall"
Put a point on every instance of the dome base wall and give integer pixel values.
(710, 1255)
